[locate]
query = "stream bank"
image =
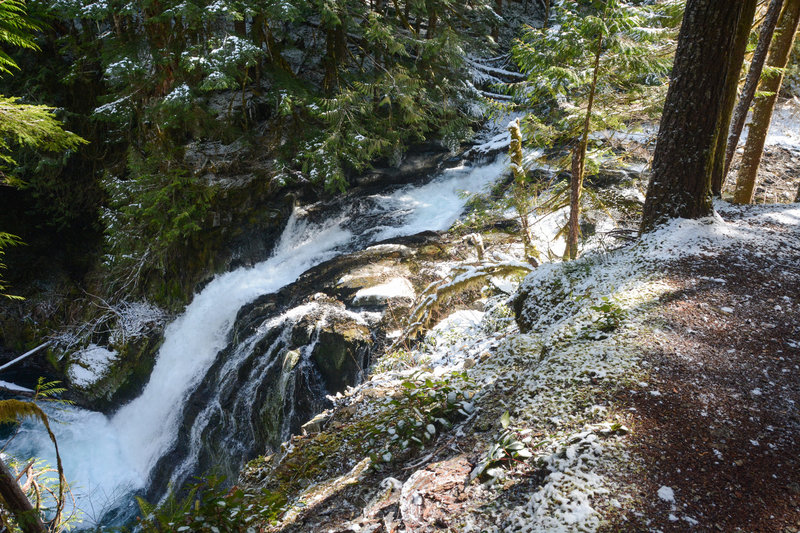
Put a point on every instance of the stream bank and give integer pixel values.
(588, 412)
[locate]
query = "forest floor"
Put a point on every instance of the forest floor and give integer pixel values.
(719, 425)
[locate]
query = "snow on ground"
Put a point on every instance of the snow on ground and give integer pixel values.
(567, 345)
(90, 365)
(583, 327)
(752, 226)
(784, 130)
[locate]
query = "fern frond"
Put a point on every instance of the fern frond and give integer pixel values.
(13, 410)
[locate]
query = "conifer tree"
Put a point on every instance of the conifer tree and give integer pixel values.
(680, 185)
(751, 82)
(603, 69)
(23, 124)
(736, 60)
(765, 102)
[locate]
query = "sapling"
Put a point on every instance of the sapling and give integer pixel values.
(601, 66)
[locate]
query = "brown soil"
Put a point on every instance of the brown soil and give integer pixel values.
(719, 421)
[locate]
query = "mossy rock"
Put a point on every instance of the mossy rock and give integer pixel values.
(124, 377)
(547, 294)
(342, 352)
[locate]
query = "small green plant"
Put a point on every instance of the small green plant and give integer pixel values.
(512, 446)
(612, 315)
(425, 407)
(209, 507)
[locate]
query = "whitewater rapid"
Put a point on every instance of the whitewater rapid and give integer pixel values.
(106, 459)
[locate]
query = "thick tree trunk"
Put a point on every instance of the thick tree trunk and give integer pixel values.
(764, 104)
(731, 85)
(680, 185)
(17, 503)
(750, 84)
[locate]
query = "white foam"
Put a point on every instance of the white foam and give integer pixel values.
(106, 458)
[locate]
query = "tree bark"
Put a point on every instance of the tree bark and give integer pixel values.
(431, 6)
(336, 49)
(731, 86)
(496, 26)
(762, 109)
(579, 163)
(546, 12)
(680, 185)
(520, 195)
(17, 503)
(750, 84)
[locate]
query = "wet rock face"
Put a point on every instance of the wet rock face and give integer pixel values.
(288, 351)
(420, 160)
(342, 352)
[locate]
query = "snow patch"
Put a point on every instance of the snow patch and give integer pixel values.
(380, 294)
(90, 365)
(666, 494)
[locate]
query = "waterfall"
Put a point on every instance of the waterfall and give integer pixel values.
(107, 459)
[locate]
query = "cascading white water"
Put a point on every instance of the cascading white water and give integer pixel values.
(108, 458)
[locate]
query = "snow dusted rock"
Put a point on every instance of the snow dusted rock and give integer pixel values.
(434, 496)
(394, 289)
(90, 365)
(102, 377)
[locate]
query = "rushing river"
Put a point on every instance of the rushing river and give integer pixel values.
(107, 459)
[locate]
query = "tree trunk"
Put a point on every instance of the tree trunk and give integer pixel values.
(731, 86)
(432, 18)
(575, 187)
(496, 26)
(762, 109)
(159, 38)
(520, 195)
(680, 185)
(546, 12)
(750, 84)
(336, 48)
(240, 28)
(17, 503)
(579, 164)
